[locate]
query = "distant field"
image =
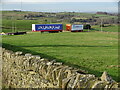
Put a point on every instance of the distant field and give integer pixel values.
(17, 20)
(94, 52)
(112, 28)
(20, 25)
(26, 25)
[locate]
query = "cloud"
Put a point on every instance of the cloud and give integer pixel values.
(7, 1)
(20, 1)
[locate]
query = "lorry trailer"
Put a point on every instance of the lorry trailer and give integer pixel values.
(47, 27)
(74, 27)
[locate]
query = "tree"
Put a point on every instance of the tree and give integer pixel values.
(87, 26)
(102, 25)
(45, 21)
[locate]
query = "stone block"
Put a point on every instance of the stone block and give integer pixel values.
(18, 53)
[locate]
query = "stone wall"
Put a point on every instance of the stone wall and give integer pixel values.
(32, 71)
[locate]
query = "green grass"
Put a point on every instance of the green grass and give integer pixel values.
(94, 52)
(112, 28)
(22, 25)
(26, 25)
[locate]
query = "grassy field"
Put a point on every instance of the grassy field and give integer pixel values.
(26, 25)
(12, 19)
(112, 28)
(94, 52)
(21, 25)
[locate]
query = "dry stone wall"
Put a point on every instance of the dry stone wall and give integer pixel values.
(32, 71)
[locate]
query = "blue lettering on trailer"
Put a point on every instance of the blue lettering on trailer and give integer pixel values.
(46, 27)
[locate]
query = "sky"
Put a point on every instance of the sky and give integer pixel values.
(60, 0)
(61, 5)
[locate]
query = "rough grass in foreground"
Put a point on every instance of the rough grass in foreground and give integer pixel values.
(94, 52)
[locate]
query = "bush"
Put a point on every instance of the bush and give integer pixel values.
(87, 26)
(102, 25)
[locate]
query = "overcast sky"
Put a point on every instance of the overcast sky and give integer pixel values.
(60, 0)
(60, 6)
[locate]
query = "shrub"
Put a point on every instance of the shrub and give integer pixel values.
(87, 26)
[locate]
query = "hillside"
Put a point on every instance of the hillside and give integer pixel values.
(13, 21)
